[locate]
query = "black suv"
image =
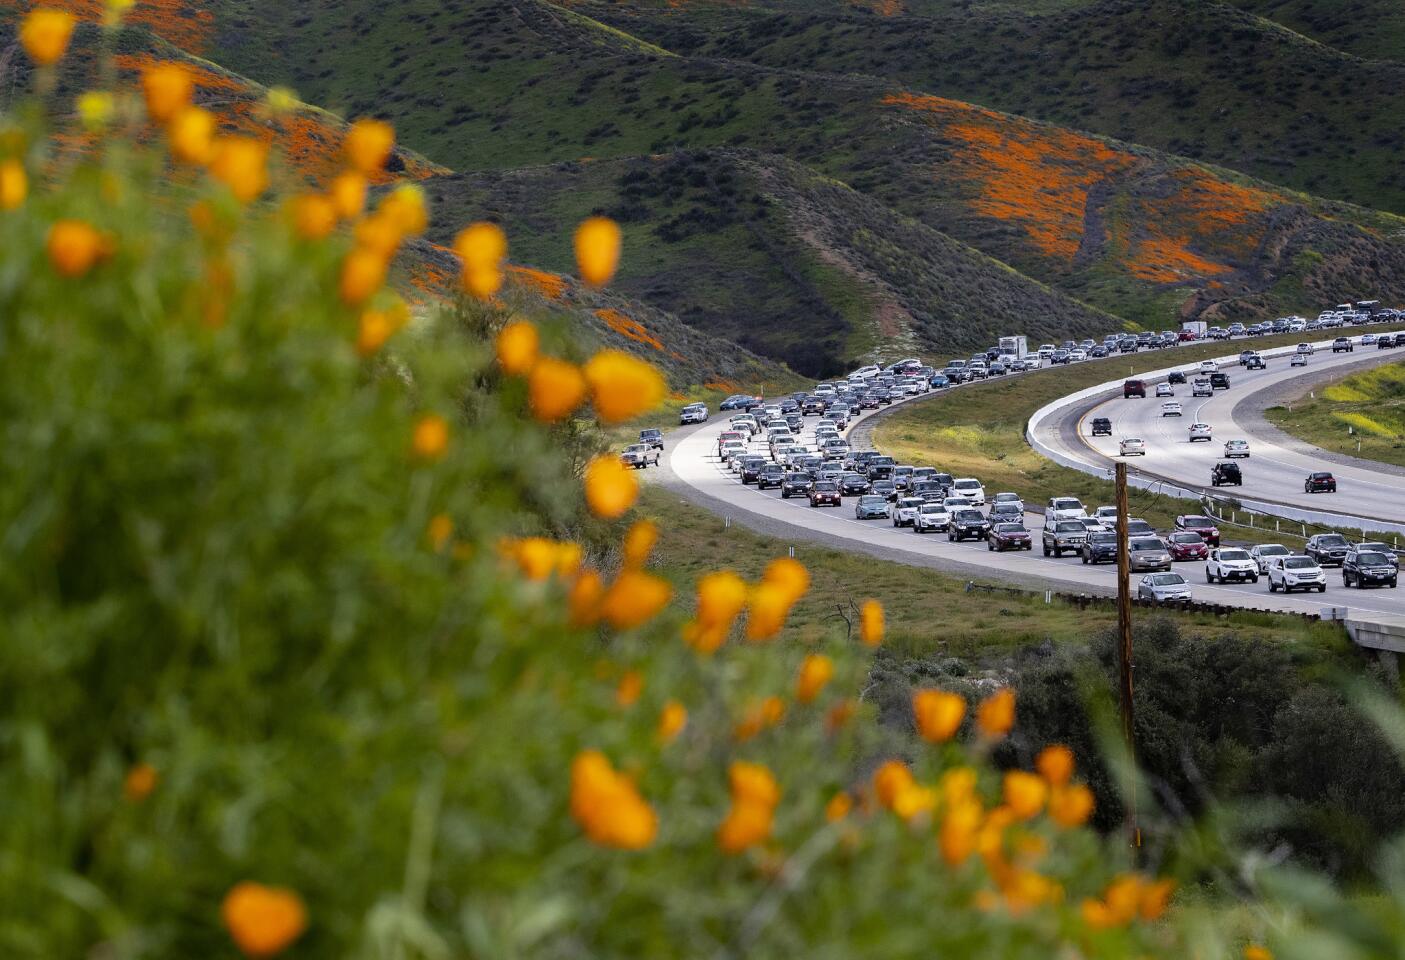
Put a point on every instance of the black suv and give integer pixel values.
(796, 485)
(770, 475)
(880, 468)
(1368, 569)
(1328, 549)
(1226, 474)
(1219, 381)
(853, 485)
(1099, 547)
(967, 524)
(654, 438)
(1176, 376)
(1102, 427)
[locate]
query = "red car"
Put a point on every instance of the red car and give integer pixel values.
(1008, 536)
(1134, 388)
(1196, 523)
(1187, 545)
(1320, 482)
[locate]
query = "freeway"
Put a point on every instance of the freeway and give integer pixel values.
(1276, 467)
(693, 469)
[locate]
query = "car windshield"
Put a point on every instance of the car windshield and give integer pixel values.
(952, 503)
(932, 508)
(1108, 537)
(1274, 550)
(871, 501)
(966, 484)
(1332, 540)
(1006, 497)
(1146, 543)
(1372, 559)
(1009, 527)
(635, 448)
(826, 487)
(1321, 476)
(1067, 503)
(1199, 522)
(1299, 563)
(908, 503)
(1186, 538)
(1068, 526)
(967, 515)
(1234, 554)
(1167, 579)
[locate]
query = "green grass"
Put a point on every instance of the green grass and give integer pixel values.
(979, 431)
(927, 612)
(1371, 404)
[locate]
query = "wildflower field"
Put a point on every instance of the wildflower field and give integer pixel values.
(331, 630)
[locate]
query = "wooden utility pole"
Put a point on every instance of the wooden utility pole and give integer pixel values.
(1124, 640)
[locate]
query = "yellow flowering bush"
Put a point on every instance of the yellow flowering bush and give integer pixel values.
(328, 633)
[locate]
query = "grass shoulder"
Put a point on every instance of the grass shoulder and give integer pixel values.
(1362, 415)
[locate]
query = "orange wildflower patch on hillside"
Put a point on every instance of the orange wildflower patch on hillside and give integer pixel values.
(189, 26)
(552, 286)
(1028, 174)
(629, 327)
(1158, 258)
(724, 386)
(884, 8)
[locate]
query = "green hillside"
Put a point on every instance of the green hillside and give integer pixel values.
(1373, 29)
(830, 276)
(1362, 415)
(1202, 79)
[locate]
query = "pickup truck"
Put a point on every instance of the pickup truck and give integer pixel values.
(639, 456)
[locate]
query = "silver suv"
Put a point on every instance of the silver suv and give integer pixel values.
(1064, 535)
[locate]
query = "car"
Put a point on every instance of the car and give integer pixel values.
(1102, 427)
(854, 485)
(1202, 388)
(1226, 474)
(971, 489)
(693, 413)
(639, 456)
(824, 493)
(1264, 552)
(1005, 513)
(1255, 362)
(1320, 481)
(1187, 545)
(1132, 447)
(1164, 588)
(1201, 524)
(1008, 499)
(1137, 527)
(967, 523)
(1219, 381)
(731, 449)
(1200, 431)
(1236, 448)
(1010, 535)
(1343, 345)
(1299, 360)
(1231, 564)
(1328, 549)
(835, 449)
(932, 516)
(1306, 348)
(1295, 573)
(1375, 546)
(1171, 408)
(1099, 546)
(1133, 388)
(1165, 390)
(879, 468)
(1107, 515)
(871, 507)
(1368, 339)
(1175, 376)
(1368, 568)
(796, 484)
(770, 475)
(740, 401)
(1209, 366)
(1147, 553)
(1064, 508)
(905, 511)
(1062, 536)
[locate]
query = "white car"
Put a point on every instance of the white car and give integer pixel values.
(1165, 390)
(1306, 348)
(1171, 408)
(835, 449)
(1200, 431)
(1065, 508)
(1209, 366)
(732, 448)
(971, 489)
(1132, 447)
(1107, 516)
(1231, 563)
(1295, 573)
(693, 413)
(931, 517)
(1299, 360)
(1164, 588)
(905, 511)
(1236, 448)
(1264, 552)
(1201, 387)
